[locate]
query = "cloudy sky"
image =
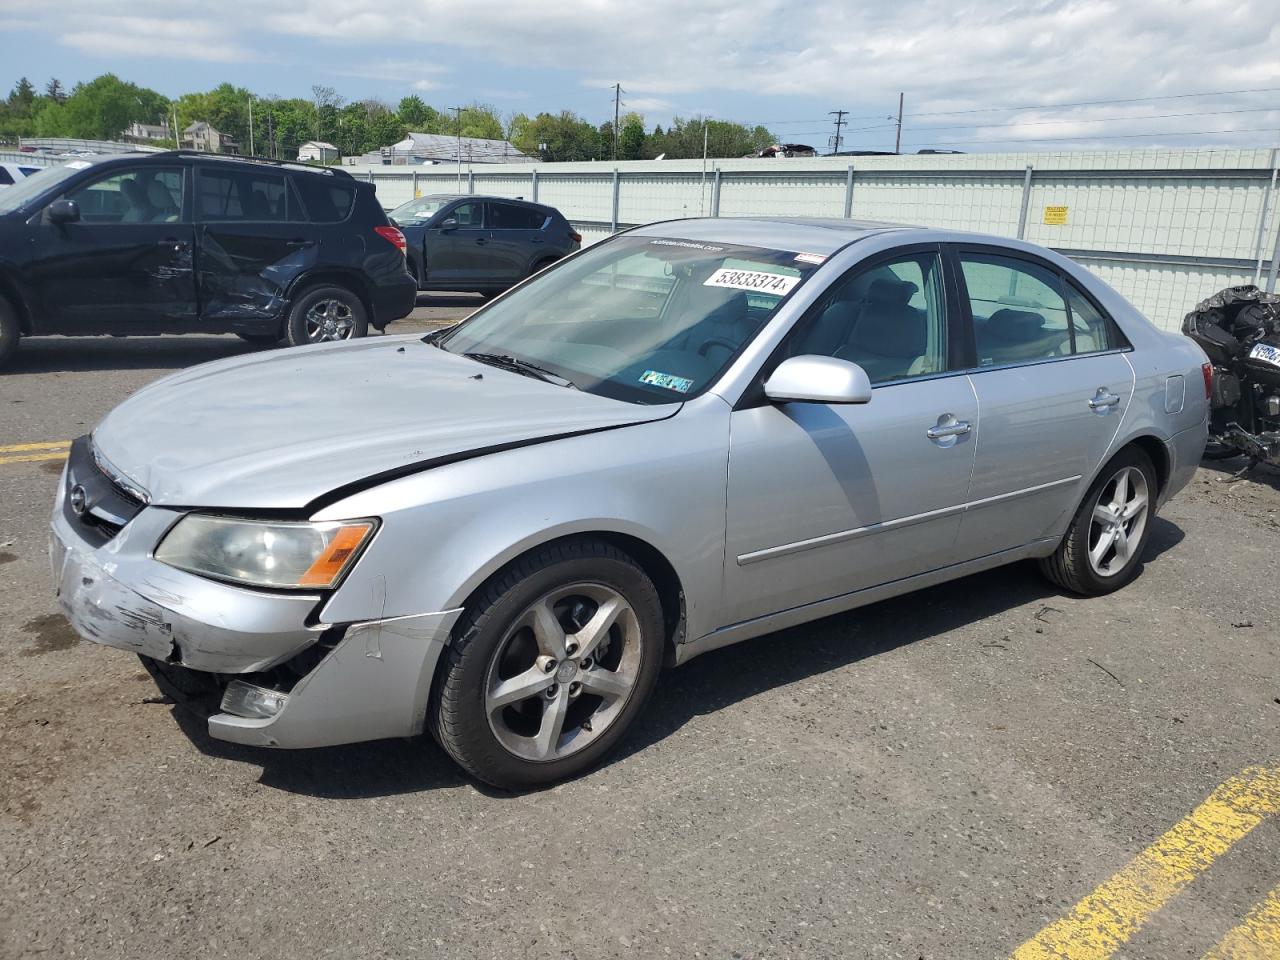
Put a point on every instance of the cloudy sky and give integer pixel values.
(978, 76)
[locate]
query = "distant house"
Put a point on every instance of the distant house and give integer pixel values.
(317, 151)
(148, 132)
(203, 137)
(418, 148)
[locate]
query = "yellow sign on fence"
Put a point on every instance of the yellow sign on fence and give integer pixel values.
(1055, 216)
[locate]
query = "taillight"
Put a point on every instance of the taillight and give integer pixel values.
(575, 236)
(1206, 370)
(393, 236)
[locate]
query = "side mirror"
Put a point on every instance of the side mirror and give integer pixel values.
(811, 379)
(447, 225)
(64, 211)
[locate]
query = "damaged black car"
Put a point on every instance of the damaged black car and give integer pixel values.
(183, 242)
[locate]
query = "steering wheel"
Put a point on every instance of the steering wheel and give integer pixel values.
(717, 342)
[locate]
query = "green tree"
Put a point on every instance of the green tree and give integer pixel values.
(100, 110)
(419, 117)
(631, 139)
(566, 135)
(54, 91)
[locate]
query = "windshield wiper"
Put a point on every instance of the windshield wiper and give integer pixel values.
(518, 365)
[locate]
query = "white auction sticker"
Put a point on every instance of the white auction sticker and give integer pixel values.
(757, 280)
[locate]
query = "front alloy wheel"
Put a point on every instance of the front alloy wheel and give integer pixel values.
(550, 664)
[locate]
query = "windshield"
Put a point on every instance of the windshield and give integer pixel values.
(417, 212)
(26, 190)
(641, 319)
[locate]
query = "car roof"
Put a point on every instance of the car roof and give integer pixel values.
(802, 234)
(482, 196)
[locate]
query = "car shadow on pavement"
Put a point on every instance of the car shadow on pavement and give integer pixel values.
(428, 298)
(709, 683)
(81, 354)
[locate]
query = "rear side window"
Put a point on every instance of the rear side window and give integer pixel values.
(224, 195)
(6, 178)
(325, 200)
(1093, 331)
(1019, 314)
(510, 216)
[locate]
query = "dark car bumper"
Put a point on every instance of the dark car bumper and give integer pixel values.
(392, 299)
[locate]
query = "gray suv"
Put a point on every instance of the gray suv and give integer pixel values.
(481, 244)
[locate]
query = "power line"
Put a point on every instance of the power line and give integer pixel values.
(1112, 136)
(1049, 106)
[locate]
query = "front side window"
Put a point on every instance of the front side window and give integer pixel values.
(890, 319)
(223, 195)
(641, 319)
(468, 214)
(139, 195)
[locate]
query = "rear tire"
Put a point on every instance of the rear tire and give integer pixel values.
(10, 331)
(1103, 547)
(542, 264)
(528, 692)
(326, 313)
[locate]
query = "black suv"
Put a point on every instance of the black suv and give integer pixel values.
(181, 242)
(481, 244)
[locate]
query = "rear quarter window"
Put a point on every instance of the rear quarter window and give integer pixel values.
(326, 201)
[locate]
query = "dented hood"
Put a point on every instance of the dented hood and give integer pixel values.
(283, 428)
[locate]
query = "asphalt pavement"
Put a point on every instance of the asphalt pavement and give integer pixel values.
(989, 769)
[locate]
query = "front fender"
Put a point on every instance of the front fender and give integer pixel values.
(447, 530)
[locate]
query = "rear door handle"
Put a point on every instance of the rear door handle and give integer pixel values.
(948, 426)
(299, 243)
(174, 244)
(481, 241)
(1103, 399)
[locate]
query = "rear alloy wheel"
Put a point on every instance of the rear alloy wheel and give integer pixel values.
(326, 314)
(10, 331)
(552, 663)
(1103, 546)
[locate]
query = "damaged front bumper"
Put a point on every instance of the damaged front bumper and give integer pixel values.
(372, 683)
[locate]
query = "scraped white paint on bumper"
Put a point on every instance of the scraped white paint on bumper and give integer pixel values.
(375, 683)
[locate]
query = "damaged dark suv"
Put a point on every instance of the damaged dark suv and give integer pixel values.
(181, 242)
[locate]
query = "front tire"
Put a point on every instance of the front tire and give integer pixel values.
(324, 314)
(1103, 547)
(10, 331)
(551, 663)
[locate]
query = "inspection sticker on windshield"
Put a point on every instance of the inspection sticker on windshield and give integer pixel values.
(811, 258)
(667, 381)
(758, 280)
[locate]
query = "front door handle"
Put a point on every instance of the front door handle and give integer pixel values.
(174, 244)
(481, 241)
(948, 426)
(1103, 399)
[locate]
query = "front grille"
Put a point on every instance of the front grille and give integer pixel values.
(94, 505)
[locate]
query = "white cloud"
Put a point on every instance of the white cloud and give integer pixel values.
(672, 54)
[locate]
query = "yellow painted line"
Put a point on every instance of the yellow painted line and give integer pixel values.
(1257, 938)
(22, 447)
(1103, 921)
(33, 457)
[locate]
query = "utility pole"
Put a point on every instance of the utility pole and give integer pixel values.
(840, 122)
(458, 113)
(177, 137)
(897, 141)
(251, 125)
(617, 102)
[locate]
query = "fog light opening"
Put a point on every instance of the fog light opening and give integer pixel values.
(252, 702)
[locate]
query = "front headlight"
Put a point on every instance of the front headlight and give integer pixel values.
(265, 553)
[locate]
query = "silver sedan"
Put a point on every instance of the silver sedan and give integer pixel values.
(690, 434)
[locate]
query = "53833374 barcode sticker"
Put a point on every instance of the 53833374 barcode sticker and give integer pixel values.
(757, 280)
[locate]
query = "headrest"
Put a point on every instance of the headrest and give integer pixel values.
(159, 196)
(1015, 326)
(734, 310)
(132, 190)
(893, 292)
